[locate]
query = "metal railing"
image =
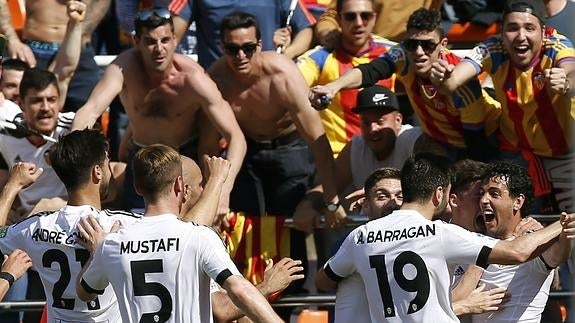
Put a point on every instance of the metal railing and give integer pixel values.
(286, 301)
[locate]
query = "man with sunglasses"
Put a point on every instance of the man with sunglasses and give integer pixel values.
(294, 39)
(533, 71)
(284, 133)
(168, 98)
(460, 121)
(322, 65)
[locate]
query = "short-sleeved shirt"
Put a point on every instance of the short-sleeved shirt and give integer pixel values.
(406, 263)
(48, 185)
(160, 269)
(350, 301)
(323, 65)
(533, 118)
(445, 117)
(527, 284)
(208, 14)
(364, 161)
(49, 238)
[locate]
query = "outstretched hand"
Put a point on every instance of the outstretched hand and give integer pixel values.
(278, 277)
(481, 301)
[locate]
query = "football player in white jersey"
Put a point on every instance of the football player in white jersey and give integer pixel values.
(160, 267)
(506, 198)
(382, 196)
(406, 260)
(49, 238)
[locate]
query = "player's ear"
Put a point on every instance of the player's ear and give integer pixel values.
(179, 187)
(453, 200)
(97, 173)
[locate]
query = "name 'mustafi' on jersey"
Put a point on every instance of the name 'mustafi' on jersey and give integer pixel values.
(154, 245)
(396, 235)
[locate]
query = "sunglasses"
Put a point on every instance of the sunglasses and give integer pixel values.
(352, 16)
(162, 13)
(234, 50)
(427, 45)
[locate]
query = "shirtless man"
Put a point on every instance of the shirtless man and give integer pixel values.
(163, 94)
(268, 96)
(44, 32)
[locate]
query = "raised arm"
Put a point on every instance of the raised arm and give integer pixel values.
(292, 89)
(249, 300)
(204, 210)
(21, 176)
(68, 57)
(448, 77)
(109, 86)
(361, 76)
(96, 12)
(560, 250)
(276, 278)
(221, 116)
(16, 48)
(528, 246)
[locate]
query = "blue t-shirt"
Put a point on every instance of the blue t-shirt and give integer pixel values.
(208, 14)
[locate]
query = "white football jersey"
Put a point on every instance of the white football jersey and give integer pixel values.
(160, 269)
(49, 238)
(350, 300)
(528, 286)
(406, 264)
(48, 185)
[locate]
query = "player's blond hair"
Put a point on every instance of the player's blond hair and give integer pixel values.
(156, 168)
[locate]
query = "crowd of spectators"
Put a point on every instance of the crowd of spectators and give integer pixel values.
(304, 98)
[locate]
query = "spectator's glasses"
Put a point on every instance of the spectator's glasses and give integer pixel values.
(233, 49)
(427, 45)
(162, 13)
(351, 16)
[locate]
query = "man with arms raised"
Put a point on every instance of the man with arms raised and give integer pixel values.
(168, 98)
(459, 120)
(533, 72)
(269, 98)
(147, 258)
(405, 259)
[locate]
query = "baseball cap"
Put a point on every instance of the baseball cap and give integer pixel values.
(374, 98)
(534, 7)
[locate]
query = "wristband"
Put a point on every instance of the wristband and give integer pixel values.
(7, 277)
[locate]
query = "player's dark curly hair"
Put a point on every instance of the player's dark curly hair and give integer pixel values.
(422, 174)
(517, 179)
(426, 20)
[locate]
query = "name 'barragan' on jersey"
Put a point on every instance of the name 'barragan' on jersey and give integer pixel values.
(145, 246)
(396, 235)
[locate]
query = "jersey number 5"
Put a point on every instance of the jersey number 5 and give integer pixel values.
(419, 284)
(139, 270)
(58, 256)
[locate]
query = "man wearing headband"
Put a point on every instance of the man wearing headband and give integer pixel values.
(533, 71)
